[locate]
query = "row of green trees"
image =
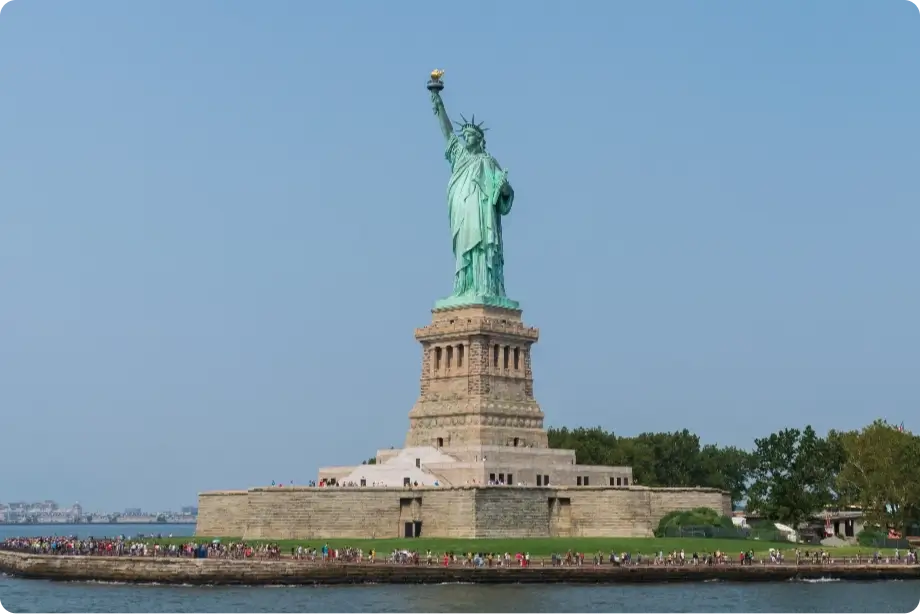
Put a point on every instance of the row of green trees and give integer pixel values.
(787, 477)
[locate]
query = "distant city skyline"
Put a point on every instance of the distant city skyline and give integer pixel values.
(50, 511)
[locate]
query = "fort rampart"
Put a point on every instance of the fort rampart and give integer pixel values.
(459, 512)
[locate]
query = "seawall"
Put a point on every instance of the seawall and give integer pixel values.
(291, 572)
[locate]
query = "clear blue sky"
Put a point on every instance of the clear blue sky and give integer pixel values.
(221, 220)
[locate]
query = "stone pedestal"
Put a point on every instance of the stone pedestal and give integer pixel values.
(476, 382)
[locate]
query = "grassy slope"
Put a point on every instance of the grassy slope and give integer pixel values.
(539, 546)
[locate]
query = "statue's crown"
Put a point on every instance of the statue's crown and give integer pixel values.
(471, 125)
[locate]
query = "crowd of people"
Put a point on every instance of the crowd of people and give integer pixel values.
(121, 546)
(241, 550)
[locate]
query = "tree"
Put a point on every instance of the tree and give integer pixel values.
(848, 490)
(677, 458)
(371, 461)
(641, 457)
(659, 459)
(793, 475)
(727, 468)
(881, 474)
(593, 446)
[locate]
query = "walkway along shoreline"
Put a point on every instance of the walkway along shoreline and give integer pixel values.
(164, 570)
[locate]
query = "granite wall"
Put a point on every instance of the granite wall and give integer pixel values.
(508, 511)
(222, 513)
(464, 512)
(374, 513)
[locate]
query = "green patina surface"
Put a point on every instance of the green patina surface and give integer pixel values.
(453, 302)
(478, 195)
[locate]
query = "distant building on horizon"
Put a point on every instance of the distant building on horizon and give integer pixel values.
(48, 512)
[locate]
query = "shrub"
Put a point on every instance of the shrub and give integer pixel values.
(704, 519)
(872, 537)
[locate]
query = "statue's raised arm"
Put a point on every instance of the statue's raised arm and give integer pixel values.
(435, 86)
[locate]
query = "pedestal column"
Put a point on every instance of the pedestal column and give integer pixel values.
(481, 402)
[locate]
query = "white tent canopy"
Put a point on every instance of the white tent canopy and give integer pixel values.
(395, 470)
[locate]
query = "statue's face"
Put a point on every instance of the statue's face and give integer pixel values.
(473, 139)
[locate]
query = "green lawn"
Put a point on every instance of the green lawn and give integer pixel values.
(539, 546)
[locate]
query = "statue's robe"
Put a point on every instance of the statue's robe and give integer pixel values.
(475, 205)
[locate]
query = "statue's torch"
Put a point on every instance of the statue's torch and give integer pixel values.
(435, 85)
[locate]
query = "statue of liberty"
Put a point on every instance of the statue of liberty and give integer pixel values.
(478, 195)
